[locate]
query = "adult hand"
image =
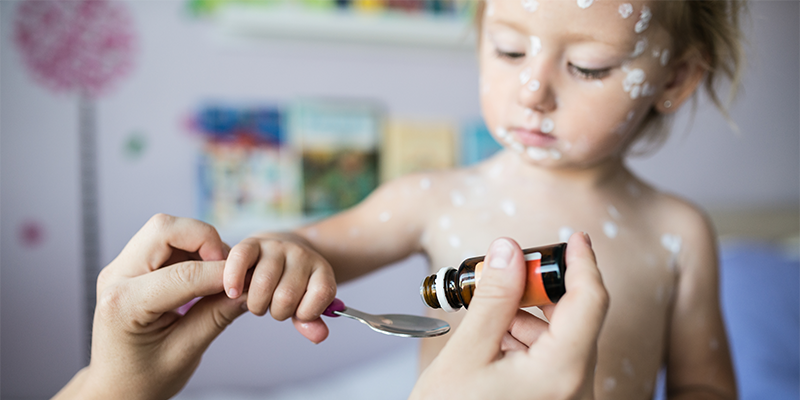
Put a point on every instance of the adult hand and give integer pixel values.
(141, 347)
(483, 359)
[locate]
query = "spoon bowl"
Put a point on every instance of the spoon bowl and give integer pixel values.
(391, 324)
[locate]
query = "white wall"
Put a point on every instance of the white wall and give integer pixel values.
(180, 64)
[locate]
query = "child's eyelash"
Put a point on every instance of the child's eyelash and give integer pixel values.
(589, 74)
(511, 55)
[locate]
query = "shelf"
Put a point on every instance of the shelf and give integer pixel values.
(288, 22)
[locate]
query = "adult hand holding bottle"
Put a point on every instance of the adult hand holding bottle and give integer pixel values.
(502, 352)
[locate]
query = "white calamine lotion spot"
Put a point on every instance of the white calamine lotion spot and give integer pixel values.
(457, 198)
(518, 147)
(644, 20)
(509, 207)
(534, 86)
(536, 153)
(609, 384)
(564, 233)
(671, 242)
(530, 5)
(640, 47)
(455, 241)
(425, 184)
(501, 132)
(385, 216)
(625, 10)
(664, 58)
(525, 76)
(547, 125)
(610, 229)
(627, 367)
(444, 222)
(536, 45)
(612, 211)
(585, 3)
(528, 112)
(555, 154)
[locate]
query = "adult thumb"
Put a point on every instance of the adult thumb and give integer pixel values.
(206, 320)
(495, 302)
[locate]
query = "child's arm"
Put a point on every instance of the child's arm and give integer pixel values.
(698, 360)
(294, 271)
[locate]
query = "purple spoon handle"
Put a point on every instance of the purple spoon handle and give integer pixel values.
(336, 305)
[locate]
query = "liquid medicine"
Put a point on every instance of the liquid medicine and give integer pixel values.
(451, 289)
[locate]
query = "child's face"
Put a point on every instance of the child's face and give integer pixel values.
(565, 85)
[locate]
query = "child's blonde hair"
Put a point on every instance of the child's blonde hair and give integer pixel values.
(709, 28)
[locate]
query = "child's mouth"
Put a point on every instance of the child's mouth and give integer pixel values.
(533, 137)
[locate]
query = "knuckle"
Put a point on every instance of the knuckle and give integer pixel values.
(283, 303)
(110, 301)
(185, 272)
(221, 319)
(160, 221)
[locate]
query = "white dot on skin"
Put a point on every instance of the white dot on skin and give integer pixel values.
(534, 86)
(585, 3)
(547, 125)
(609, 384)
(525, 76)
(536, 45)
(610, 229)
(530, 5)
(509, 207)
(496, 171)
(625, 10)
(536, 153)
(635, 91)
(444, 222)
(385, 216)
(457, 199)
(564, 233)
(671, 242)
(425, 183)
(501, 132)
(455, 241)
(664, 58)
(627, 367)
(644, 20)
(518, 147)
(633, 189)
(640, 47)
(555, 154)
(612, 211)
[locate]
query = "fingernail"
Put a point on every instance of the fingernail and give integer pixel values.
(588, 239)
(233, 293)
(500, 254)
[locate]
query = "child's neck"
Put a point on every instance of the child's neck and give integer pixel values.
(591, 176)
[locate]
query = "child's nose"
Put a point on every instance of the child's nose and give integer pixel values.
(536, 92)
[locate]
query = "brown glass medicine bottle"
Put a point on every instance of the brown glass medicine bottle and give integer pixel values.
(451, 289)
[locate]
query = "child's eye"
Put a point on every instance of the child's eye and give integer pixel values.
(509, 55)
(589, 74)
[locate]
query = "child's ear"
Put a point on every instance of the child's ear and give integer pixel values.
(685, 78)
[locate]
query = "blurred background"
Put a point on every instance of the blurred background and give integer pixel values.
(264, 115)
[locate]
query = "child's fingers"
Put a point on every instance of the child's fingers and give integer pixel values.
(319, 294)
(315, 331)
(291, 287)
(266, 277)
(240, 258)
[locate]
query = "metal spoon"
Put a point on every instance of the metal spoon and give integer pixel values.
(391, 324)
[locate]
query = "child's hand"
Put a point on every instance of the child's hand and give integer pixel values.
(289, 279)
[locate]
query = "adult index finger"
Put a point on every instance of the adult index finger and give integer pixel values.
(579, 315)
(155, 242)
(494, 305)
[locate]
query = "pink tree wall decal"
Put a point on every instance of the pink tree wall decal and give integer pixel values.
(79, 46)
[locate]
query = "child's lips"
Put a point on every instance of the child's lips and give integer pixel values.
(533, 137)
